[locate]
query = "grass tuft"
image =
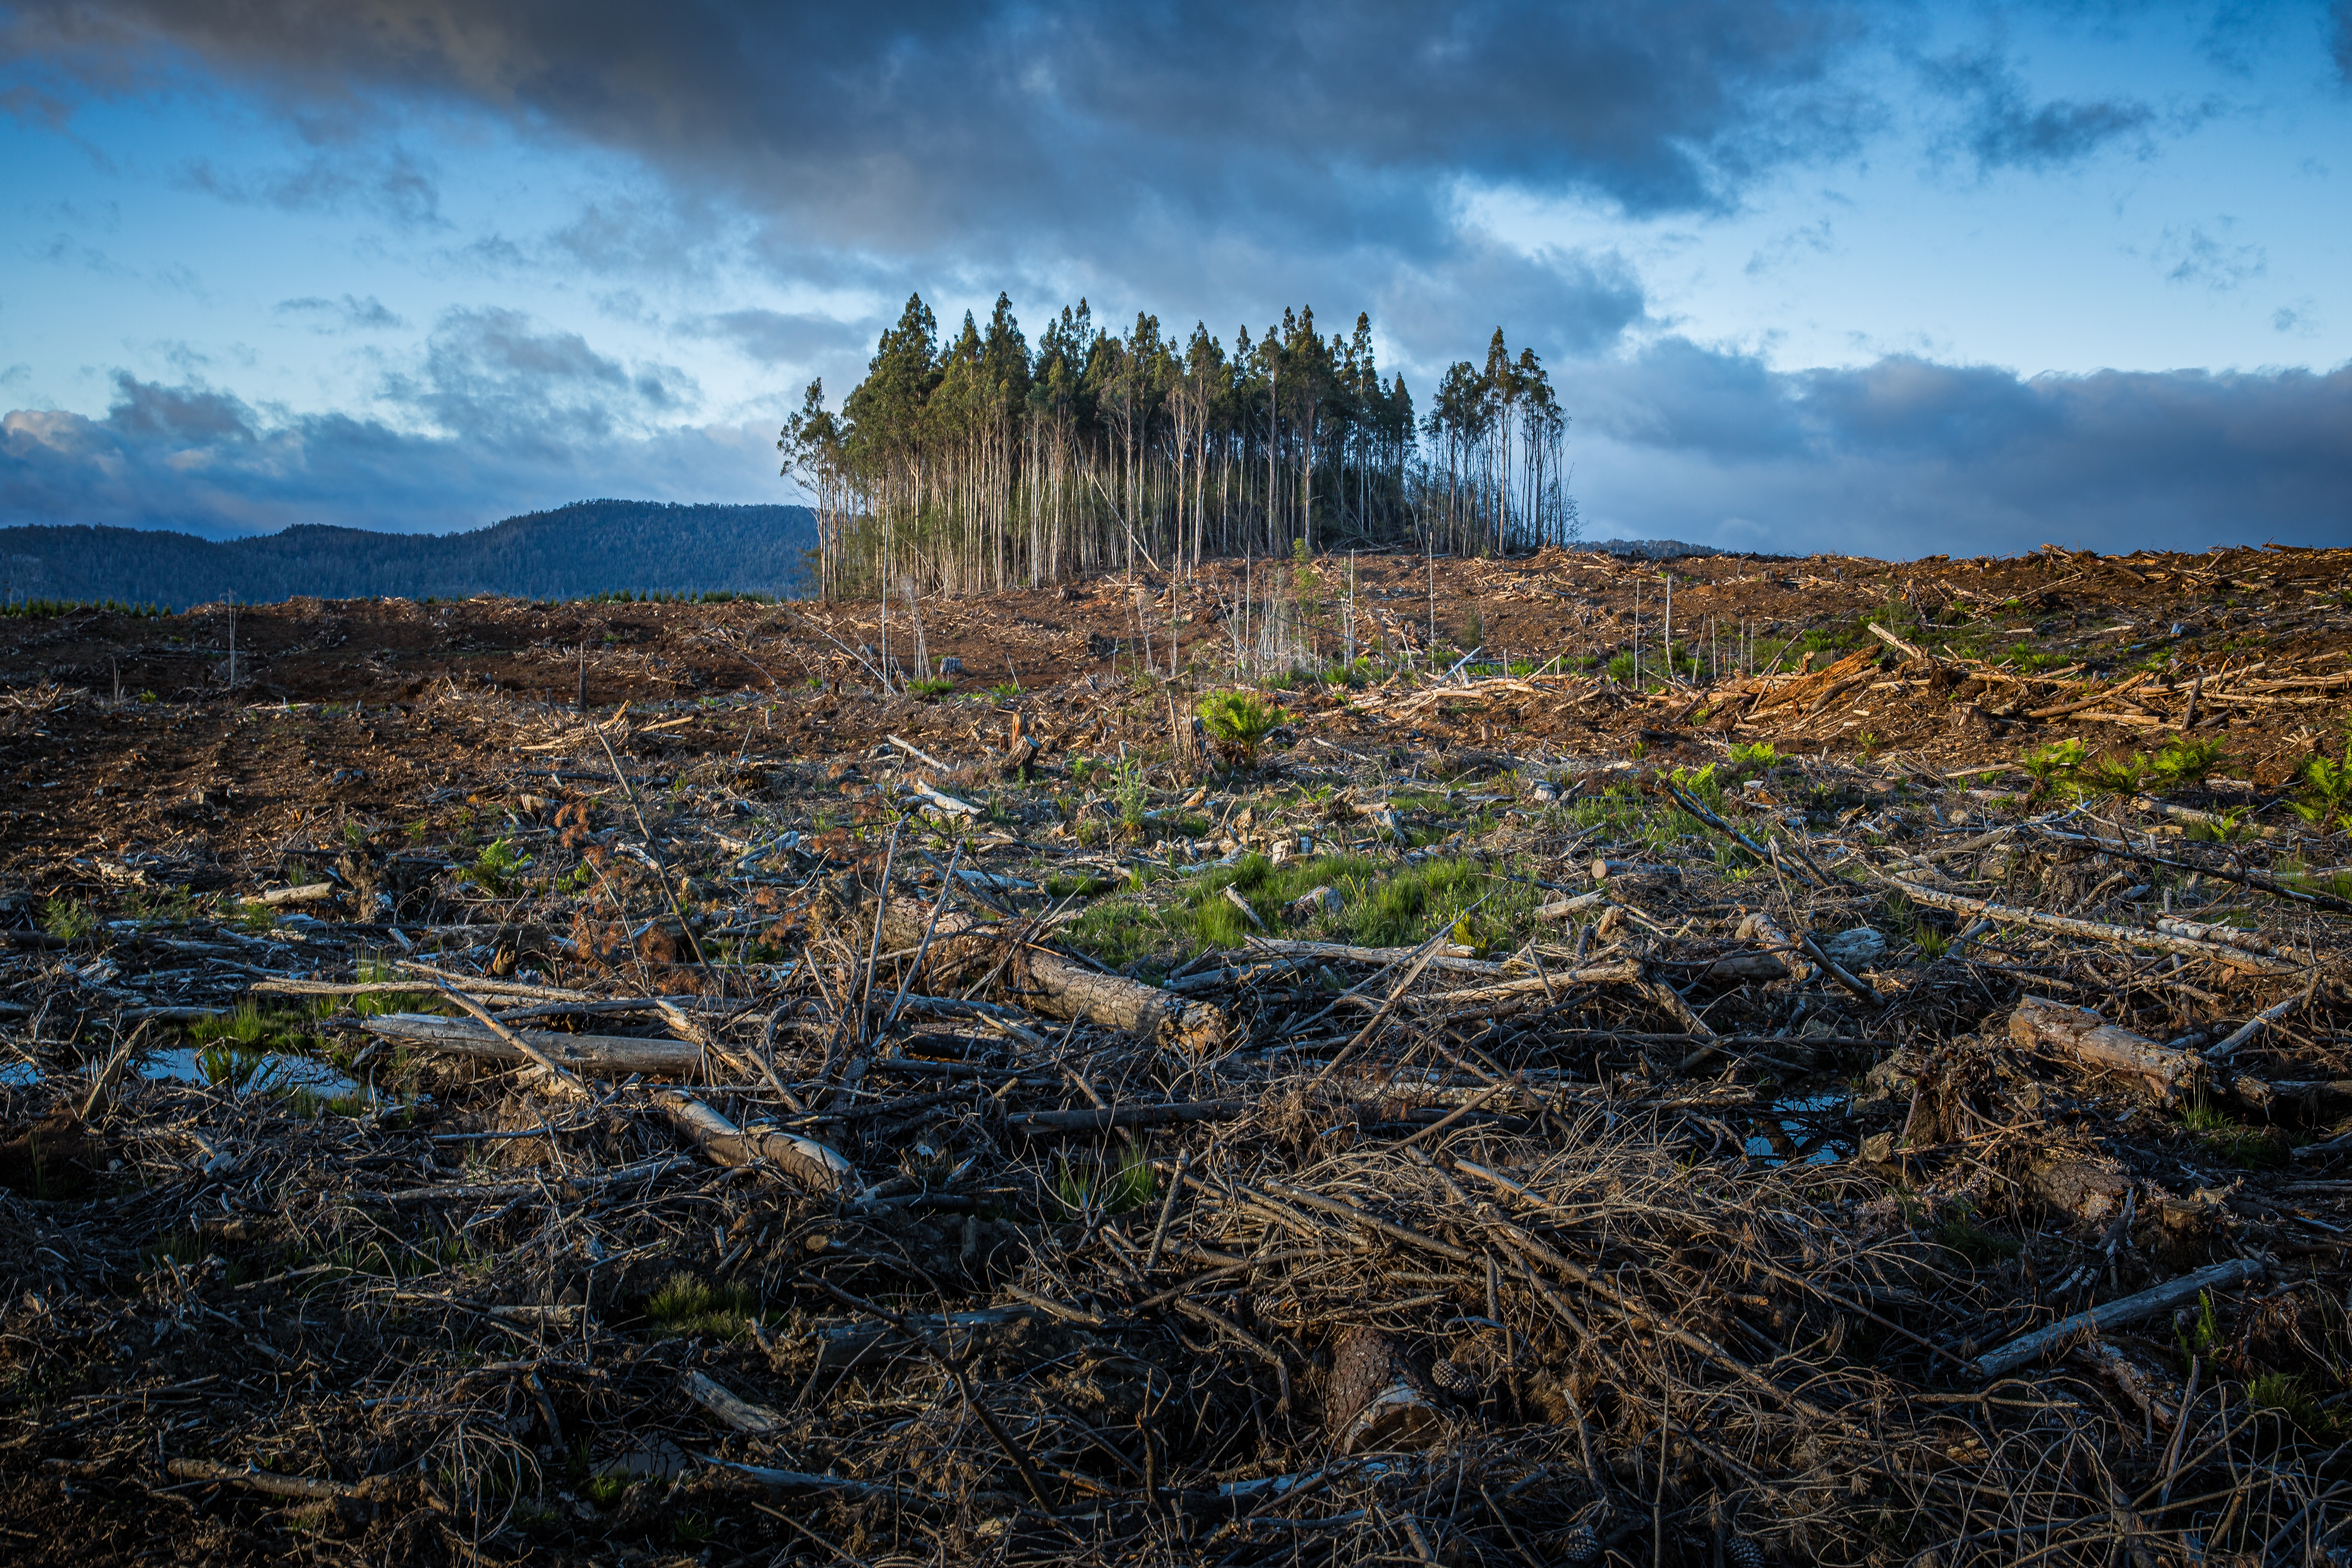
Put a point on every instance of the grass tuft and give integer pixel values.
(683, 1305)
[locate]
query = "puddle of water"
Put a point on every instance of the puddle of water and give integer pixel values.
(1795, 1115)
(273, 1074)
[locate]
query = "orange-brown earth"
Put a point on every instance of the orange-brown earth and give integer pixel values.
(334, 714)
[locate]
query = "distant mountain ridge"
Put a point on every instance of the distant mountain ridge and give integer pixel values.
(573, 551)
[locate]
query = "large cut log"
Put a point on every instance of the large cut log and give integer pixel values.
(602, 1055)
(1374, 1399)
(963, 949)
(2081, 1035)
(723, 1143)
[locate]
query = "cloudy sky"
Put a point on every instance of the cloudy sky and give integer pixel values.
(1902, 278)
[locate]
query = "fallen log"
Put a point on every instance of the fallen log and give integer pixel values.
(964, 949)
(2096, 930)
(2093, 700)
(264, 1481)
(1448, 955)
(2092, 1042)
(2253, 1027)
(565, 1186)
(1603, 868)
(308, 893)
(1095, 1119)
(1908, 650)
(2226, 936)
(945, 802)
(2114, 1314)
(611, 1056)
(806, 1481)
(723, 1143)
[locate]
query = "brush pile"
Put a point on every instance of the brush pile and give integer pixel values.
(1769, 1162)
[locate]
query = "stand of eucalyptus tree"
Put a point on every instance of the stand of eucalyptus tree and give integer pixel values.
(987, 464)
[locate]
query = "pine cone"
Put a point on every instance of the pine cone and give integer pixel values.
(1456, 1379)
(1579, 1545)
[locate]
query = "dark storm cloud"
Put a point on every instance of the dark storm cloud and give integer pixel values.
(1908, 458)
(2004, 128)
(899, 128)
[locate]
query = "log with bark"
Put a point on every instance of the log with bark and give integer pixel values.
(965, 950)
(2082, 1037)
(723, 1143)
(606, 1056)
(1374, 1398)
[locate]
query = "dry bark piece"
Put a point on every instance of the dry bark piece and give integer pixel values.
(1374, 1399)
(2082, 1037)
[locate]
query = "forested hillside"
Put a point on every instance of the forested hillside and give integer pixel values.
(987, 465)
(589, 547)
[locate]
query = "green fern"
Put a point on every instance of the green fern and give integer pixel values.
(1239, 722)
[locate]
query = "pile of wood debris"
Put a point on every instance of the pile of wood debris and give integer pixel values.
(666, 1150)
